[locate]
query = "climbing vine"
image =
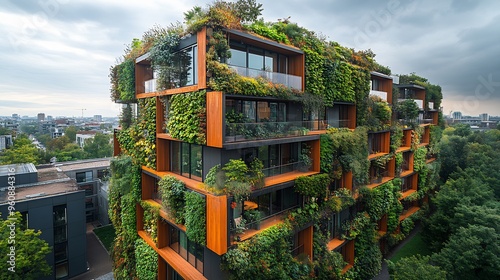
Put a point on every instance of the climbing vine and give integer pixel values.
(139, 140)
(150, 220)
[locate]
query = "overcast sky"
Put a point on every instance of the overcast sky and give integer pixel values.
(55, 54)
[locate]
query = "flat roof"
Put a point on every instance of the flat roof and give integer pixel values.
(51, 181)
(84, 164)
(410, 86)
(381, 75)
(19, 168)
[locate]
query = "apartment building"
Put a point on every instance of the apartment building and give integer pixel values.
(283, 134)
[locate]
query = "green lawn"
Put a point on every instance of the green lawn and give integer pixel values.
(106, 234)
(414, 246)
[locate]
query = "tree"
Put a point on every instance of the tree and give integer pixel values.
(23, 151)
(5, 131)
(462, 129)
(70, 132)
(30, 251)
(99, 146)
(415, 268)
(472, 252)
(58, 143)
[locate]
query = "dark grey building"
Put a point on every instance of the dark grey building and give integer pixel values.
(92, 177)
(51, 202)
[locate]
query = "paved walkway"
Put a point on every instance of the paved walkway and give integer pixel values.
(99, 261)
(384, 273)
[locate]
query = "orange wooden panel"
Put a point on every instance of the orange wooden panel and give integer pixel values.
(386, 142)
(349, 256)
(420, 94)
(163, 233)
(117, 150)
(382, 224)
(351, 112)
(315, 154)
(414, 181)
(162, 268)
(306, 239)
(145, 95)
(411, 161)
(217, 223)
(347, 180)
(214, 119)
(296, 66)
(391, 167)
(160, 115)
(142, 74)
(162, 155)
(180, 265)
(202, 58)
(147, 183)
(173, 91)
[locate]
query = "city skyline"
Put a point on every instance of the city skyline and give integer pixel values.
(58, 53)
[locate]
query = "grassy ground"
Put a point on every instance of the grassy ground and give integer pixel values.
(106, 234)
(414, 246)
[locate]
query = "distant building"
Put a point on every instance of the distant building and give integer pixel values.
(51, 202)
(98, 118)
(82, 136)
(56, 132)
(5, 141)
(41, 117)
(457, 115)
(484, 117)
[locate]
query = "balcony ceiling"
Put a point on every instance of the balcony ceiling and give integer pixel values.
(263, 43)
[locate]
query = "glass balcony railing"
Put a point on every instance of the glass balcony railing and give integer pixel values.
(236, 132)
(286, 168)
(381, 94)
(420, 103)
(150, 86)
(290, 81)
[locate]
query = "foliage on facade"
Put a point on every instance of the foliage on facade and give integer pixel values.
(172, 197)
(343, 150)
(266, 256)
(147, 261)
(187, 119)
(195, 215)
(124, 193)
(139, 140)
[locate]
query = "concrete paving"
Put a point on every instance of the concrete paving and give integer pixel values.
(98, 259)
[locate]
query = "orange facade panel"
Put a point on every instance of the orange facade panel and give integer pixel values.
(217, 223)
(117, 150)
(148, 186)
(214, 119)
(351, 112)
(315, 155)
(162, 155)
(297, 66)
(143, 72)
(306, 239)
(201, 38)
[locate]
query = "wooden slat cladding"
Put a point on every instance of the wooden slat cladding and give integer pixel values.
(217, 223)
(214, 119)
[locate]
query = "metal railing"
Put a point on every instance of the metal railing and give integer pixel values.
(286, 168)
(381, 94)
(290, 81)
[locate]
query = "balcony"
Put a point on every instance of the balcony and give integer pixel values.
(150, 86)
(238, 132)
(420, 103)
(291, 81)
(381, 94)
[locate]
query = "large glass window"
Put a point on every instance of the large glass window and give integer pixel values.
(183, 70)
(187, 160)
(256, 58)
(188, 250)
(273, 203)
(60, 241)
(84, 176)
